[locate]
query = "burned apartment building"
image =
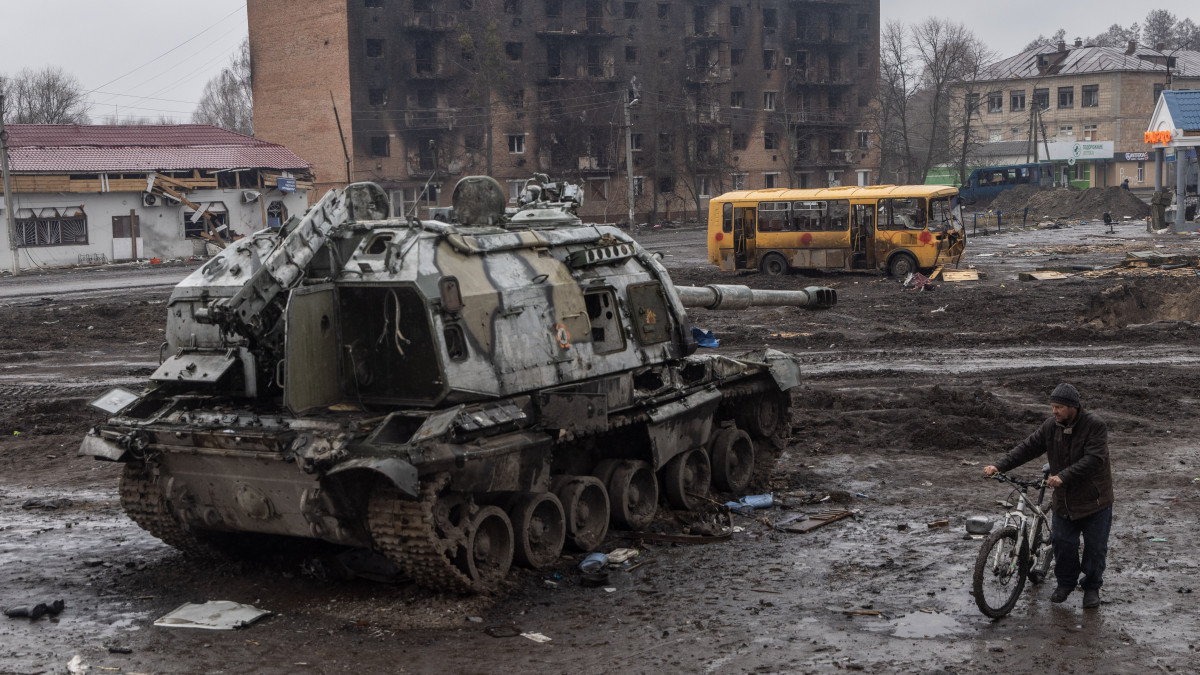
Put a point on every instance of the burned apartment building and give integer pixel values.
(719, 95)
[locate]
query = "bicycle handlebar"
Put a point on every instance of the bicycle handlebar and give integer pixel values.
(1000, 476)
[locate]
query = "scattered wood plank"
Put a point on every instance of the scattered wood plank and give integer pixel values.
(960, 275)
(817, 520)
(1041, 276)
(937, 271)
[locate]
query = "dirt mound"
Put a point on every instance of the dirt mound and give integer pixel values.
(1139, 302)
(1072, 203)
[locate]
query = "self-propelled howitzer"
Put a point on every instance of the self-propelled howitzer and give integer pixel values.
(456, 394)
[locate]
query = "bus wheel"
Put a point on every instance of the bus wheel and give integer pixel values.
(902, 265)
(774, 265)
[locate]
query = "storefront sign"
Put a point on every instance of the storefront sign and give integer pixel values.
(1163, 137)
(1133, 156)
(1080, 150)
(286, 184)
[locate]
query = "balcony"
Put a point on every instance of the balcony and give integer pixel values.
(705, 37)
(427, 69)
(708, 74)
(435, 118)
(430, 22)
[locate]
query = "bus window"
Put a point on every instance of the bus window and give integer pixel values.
(942, 216)
(807, 216)
(902, 214)
(773, 216)
(727, 217)
(839, 216)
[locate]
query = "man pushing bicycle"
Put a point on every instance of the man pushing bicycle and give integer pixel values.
(1075, 442)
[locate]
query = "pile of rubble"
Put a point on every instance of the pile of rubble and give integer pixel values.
(1071, 203)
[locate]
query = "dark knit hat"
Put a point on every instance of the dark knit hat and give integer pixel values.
(1066, 395)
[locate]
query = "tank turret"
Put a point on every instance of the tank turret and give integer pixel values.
(456, 394)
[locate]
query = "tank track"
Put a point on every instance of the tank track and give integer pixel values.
(145, 505)
(404, 531)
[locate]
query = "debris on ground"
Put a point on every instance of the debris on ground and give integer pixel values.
(212, 615)
(1041, 275)
(1071, 203)
(815, 520)
(47, 504)
(918, 282)
(1143, 259)
(35, 612)
(705, 338)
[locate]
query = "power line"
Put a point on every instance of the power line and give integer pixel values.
(168, 51)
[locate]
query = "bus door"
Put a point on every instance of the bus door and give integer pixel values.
(744, 227)
(862, 237)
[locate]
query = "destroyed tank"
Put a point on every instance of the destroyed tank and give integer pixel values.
(456, 394)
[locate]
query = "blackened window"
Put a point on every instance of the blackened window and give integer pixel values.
(770, 141)
(736, 56)
(664, 10)
(770, 59)
(737, 99)
(735, 16)
(374, 48)
(631, 54)
(377, 96)
(770, 18)
(864, 21)
(512, 6)
(666, 184)
(380, 146)
(631, 10)
(513, 50)
(740, 140)
(665, 142)
(1041, 98)
(373, 3)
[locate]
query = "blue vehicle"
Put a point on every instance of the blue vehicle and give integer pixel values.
(986, 182)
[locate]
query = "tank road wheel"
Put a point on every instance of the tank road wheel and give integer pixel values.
(585, 502)
(774, 265)
(764, 415)
(686, 478)
(633, 493)
(145, 505)
(902, 265)
(489, 551)
(429, 538)
(539, 529)
(732, 460)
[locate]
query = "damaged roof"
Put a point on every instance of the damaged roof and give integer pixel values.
(85, 148)
(1082, 60)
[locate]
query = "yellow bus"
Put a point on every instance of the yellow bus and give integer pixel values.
(897, 228)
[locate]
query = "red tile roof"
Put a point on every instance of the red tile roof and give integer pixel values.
(74, 148)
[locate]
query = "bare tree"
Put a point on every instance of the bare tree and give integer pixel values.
(1059, 35)
(134, 121)
(966, 98)
(898, 85)
(945, 52)
(46, 96)
(228, 101)
(1159, 28)
(1116, 36)
(1186, 35)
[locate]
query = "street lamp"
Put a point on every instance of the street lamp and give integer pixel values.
(629, 158)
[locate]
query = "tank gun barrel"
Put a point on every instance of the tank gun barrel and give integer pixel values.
(726, 297)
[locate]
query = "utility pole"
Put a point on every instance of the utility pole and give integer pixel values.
(629, 156)
(8, 194)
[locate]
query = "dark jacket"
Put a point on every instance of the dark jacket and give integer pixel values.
(1078, 455)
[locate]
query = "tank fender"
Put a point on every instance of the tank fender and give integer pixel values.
(99, 447)
(682, 425)
(784, 368)
(401, 474)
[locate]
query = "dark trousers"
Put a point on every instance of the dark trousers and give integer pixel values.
(1067, 564)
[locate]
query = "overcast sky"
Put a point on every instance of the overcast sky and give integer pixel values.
(152, 57)
(1008, 25)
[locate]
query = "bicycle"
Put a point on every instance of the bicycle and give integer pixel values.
(1012, 553)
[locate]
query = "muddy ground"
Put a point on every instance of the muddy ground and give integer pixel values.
(907, 396)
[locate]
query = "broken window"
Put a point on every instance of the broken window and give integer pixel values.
(598, 189)
(381, 146)
(740, 140)
(770, 59)
(423, 53)
(666, 184)
(1090, 96)
(379, 3)
(769, 100)
(1041, 98)
(516, 99)
(864, 139)
(664, 10)
(736, 56)
(770, 18)
(377, 96)
(665, 142)
(771, 180)
(374, 48)
(995, 102)
(276, 214)
(553, 61)
(735, 16)
(595, 68)
(631, 10)
(631, 54)
(554, 8)
(704, 186)
(513, 50)
(902, 214)
(53, 226)
(737, 99)
(516, 144)
(512, 6)
(635, 140)
(737, 182)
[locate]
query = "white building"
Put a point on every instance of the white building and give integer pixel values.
(77, 188)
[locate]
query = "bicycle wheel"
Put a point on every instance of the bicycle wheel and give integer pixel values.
(1000, 571)
(1043, 552)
